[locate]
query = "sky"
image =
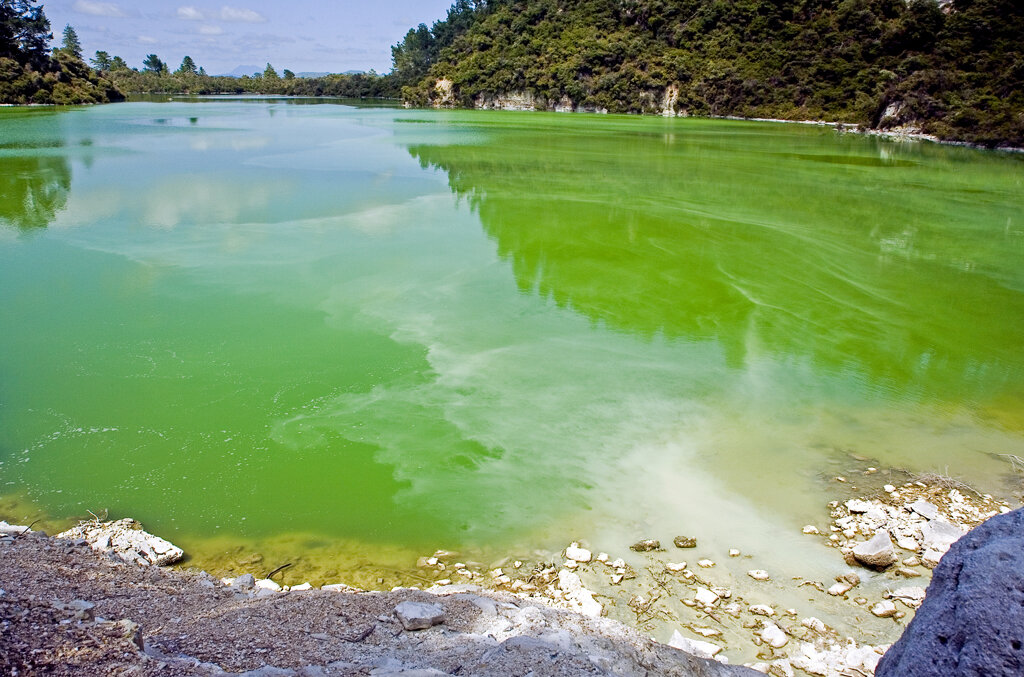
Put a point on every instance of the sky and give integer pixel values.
(301, 35)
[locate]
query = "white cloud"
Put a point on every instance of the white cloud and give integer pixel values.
(108, 9)
(210, 30)
(240, 14)
(146, 40)
(190, 14)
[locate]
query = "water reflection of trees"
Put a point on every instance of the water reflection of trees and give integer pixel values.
(746, 243)
(33, 190)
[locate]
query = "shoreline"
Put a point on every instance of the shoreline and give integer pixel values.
(756, 619)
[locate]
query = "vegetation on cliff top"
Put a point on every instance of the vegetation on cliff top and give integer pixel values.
(31, 73)
(955, 70)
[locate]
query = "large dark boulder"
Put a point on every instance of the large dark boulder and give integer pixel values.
(972, 621)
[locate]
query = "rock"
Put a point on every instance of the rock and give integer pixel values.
(912, 596)
(855, 505)
(244, 582)
(840, 588)
(646, 545)
(907, 572)
(884, 609)
(762, 610)
(811, 529)
(877, 552)
(577, 554)
(930, 558)
(912, 562)
(675, 567)
(733, 552)
(888, 488)
(12, 529)
(925, 509)
(940, 535)
(419, 615)
(300, 588)
(581, 598)
(695, 647)
(267, 584)
(759, 575)
(907, 543)
(705, 597)
(126, 539)
(972, 619)
(685, 542)
(774, 636)
(705, 563)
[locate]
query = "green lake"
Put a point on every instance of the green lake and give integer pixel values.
(385, 331)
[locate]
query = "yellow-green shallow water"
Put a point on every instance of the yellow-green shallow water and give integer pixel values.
(345, 337)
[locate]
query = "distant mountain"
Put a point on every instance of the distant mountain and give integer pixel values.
(243, 70)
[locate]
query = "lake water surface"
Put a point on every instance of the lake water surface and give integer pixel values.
(383, 332)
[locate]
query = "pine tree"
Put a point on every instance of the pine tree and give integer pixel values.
(188, 66)
(70, 44)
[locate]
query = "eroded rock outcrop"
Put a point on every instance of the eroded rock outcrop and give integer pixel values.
(127, 540)
(972, 619)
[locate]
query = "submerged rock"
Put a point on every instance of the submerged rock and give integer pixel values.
(646, 545)
(685, 542)
(126, 539)
(972, 619)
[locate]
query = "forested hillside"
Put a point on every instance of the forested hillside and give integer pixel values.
(31, 73)
(954, 69)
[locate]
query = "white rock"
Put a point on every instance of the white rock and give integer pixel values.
(12, 529)
(912, 595)
(419, 615)
(267, 584)
(938, 535)
(733, 552)
(300, 588)
(675, 566)
(602, 557)
(855, 505)
(693, 646)
(578, 554)
(840, 588)
(759, 574)
(925, 509)
(706, 632)
(930, 558)
(581, 598)
(907, 542)
(811, 529)
(762, 610)
(815, 624)
(884, 609)
(705, 597)
(774, 636)
(889, 488)
(864, 657)
(706, 563)
(126, 539)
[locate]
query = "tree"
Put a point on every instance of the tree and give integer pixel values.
(153, 64)
(288, 75)
(101, 61)
(270, 73)
(70, 43)
(24, 32)
(188, 66)
(118, 64)
(202, 72)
